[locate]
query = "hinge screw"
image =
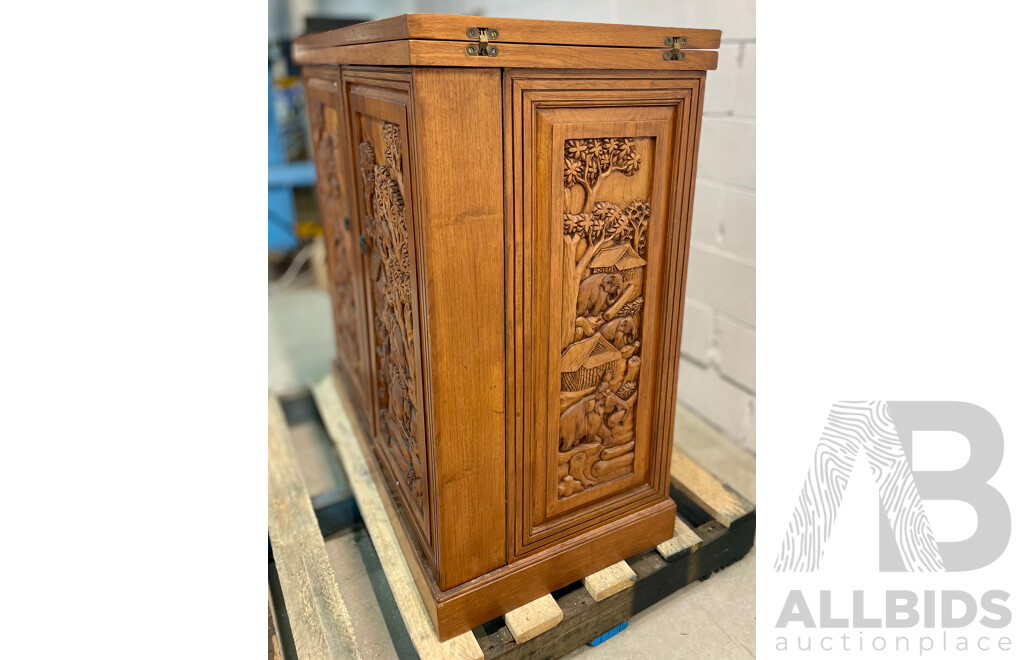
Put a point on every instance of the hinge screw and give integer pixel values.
(475, 33)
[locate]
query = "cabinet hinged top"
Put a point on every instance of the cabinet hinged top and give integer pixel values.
(474, 41)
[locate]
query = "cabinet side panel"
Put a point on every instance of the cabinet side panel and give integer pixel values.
(344, 261)
(458, 155)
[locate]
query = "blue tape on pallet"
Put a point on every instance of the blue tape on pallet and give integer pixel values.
(608, 635)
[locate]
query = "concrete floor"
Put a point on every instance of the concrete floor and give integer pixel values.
(300, 337)
(712, 619)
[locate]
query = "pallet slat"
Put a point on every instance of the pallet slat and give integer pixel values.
(318, 619)
(534, 618)
(723, 503)
(610, 581)
(339, 427)
(683, 538)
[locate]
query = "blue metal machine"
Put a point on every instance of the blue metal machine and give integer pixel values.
(282, 177)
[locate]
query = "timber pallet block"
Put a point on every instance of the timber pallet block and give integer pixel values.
(714, 528)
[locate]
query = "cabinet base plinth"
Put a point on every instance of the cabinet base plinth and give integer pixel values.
(502, 590)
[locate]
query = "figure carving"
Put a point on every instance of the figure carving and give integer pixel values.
(586, 327)
(597, 292)
(613, 402)
(619, 331)
(604, 260)
(583, 421)
(575, 469)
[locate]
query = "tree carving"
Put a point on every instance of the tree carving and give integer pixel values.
(388, 238)
(604, 260)
(598, 223)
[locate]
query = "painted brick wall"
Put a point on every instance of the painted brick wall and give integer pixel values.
(716, 376)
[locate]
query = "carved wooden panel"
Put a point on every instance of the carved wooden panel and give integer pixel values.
(604, 243)
(387, 234)
(379, 130)
(594, 205)
(344, 261)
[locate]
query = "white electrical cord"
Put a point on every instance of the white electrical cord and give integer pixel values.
(286, 280)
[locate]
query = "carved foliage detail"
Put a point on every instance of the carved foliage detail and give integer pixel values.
(388, 238)
(343, 281)
(604, 250)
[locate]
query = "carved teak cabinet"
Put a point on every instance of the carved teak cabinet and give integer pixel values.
(507, 206)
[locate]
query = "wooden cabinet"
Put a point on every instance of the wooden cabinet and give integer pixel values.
(507, 209)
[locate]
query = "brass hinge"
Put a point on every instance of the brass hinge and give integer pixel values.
(675, 43)
(482, 47)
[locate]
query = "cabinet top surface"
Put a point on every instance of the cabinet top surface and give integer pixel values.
(426, 39)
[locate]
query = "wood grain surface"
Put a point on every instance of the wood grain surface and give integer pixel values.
(317, 615)
(453, 53)
(511, 30)
(610, 581)
(534, 618)
(724, 503)
(683, 538)
(462, 287)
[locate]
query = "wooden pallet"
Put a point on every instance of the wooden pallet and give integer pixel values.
(714, 528)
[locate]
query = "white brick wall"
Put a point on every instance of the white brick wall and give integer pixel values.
(716, 377)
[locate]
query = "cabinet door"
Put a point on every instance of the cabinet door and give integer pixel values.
(378, 119)
(344, 261)
(603, 170)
